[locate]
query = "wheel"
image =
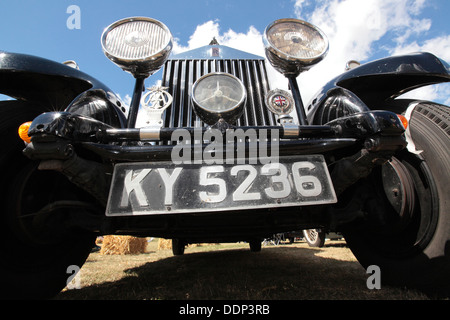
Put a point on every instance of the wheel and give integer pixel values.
(37, 249)
(178, 246)
(278, 238)
(408, 230)
(314, 237)
(255, 245)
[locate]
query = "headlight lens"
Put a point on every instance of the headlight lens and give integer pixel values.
(138, 45)
(219, 95)
(293, 46)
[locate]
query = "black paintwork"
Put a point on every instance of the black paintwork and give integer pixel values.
(57, 87)
(378, 82)
(61, 87)
(79, 141)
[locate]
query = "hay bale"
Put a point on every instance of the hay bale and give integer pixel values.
(121, 245)
(195, 245)
(164, 244)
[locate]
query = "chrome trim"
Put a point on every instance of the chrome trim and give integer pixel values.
(352, 64)
(180, 74)
(290, 129)
(151, 104)
(223, 113)
(150, 133)
(72, 64)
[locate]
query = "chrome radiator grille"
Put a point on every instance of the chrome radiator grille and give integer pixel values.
(180, 75)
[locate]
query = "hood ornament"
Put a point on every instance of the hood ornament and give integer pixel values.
(155, 102)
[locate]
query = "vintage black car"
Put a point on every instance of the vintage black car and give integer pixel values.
(221, 156)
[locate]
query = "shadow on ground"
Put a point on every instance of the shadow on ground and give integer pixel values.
(275, 273)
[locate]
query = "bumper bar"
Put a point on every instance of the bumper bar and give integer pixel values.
(164, 152)
(373, 130)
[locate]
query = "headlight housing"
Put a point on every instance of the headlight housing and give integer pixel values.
(217, 96)
(293, 46)
(138, 45)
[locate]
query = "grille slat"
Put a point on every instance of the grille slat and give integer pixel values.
(241, 70)
(180, 75)
(190, 82)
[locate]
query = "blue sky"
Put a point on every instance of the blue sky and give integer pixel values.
(362, 30)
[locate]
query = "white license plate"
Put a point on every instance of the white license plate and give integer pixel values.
(166, 188)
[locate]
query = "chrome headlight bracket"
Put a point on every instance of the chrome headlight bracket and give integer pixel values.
(293, 46)
(140, 46)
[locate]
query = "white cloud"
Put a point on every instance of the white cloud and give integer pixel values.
(126, 101)
(417, 6)
(438, 93)
(250, 42)
(356, 30)
(439, 46)
(202, 35)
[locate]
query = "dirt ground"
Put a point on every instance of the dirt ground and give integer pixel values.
(231, 272)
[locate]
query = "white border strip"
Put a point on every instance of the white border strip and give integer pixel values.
(411, 146)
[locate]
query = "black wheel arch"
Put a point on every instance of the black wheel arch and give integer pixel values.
(377, 84)
(55, 86)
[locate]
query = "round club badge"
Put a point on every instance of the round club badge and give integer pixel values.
(279, 102)
(154, 102)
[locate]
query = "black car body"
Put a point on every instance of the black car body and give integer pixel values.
(342, 163)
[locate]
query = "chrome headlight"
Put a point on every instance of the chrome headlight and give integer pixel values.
(293, 46)
(219, 96)
(138, 45)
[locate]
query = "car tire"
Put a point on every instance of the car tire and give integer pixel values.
(178, 246)
(255, 245)
(410, 240)
(35, 264)
(314, 237)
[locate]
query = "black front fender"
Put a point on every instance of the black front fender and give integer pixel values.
(55, 86)
(377, 84)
